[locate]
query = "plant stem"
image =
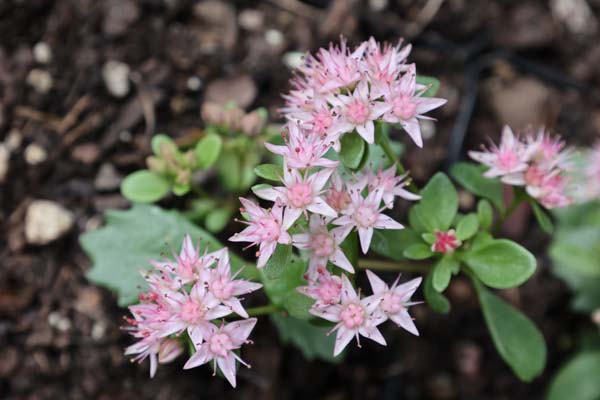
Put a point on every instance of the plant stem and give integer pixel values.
(383, 265)
(262, 310)
(511, 208)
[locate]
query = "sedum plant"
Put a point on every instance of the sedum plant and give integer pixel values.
(324, 210)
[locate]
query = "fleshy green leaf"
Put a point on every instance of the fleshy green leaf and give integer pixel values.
(313, 341)
(353, 150)
(428, 237)
(279, 261)
(470, 176)
(579, 249)
(123, 246)
(208, 150)
(297, 305)
(230, 169)
(542, 218)
(485, 214)
(516, 338)
(217, 219)
(579, 379)
(269, 172)
(437, 301)
(144, 187)
(391, 243)
(467, 227)
(442, 272)
(161, 143)
(418, 251)
(282, 290)
(439, 203)
(501, 264)
(180, 189)
(433, 83)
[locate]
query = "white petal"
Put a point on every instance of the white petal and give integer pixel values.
(343, 337)
(403, 320)
(365, 235)
(378, 286)
(227, 366)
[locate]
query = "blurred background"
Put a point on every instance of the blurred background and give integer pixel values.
(85, 83)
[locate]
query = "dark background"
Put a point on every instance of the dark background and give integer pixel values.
(519, 62)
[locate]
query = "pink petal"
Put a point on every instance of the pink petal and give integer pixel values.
(378, 286)
(339, 259)
(227, 366)
(413, 129)
(365, 235)
(348, 293)
(403, 320)
(385, 222)
(240, 330)
(319, 206)
(367, 131)
(271, 194)
(343, 337)
(371, 332)
(290, 215)
(201, 356)
(266, 251)
(427, 104)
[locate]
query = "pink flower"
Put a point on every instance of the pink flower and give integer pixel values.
(394, 301)
(364, 214)
(392, 185)
(324, 245)
(385, 63)
(220, 345)
(405, 104)
(337, 196)
(192, 311)
(169, 350)
(326, 288)
(225, 287)
(300, 194)
(147, 347)
(313, 114)
(445, 242)
(509, 158)
(302, 151)
(358, 111)
(265, 229)
(353, 317)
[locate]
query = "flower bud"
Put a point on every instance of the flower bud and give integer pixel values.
(253, 123)
(156, 164)
(183, 177)
(169, 350)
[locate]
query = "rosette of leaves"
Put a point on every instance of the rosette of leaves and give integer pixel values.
(490, 263)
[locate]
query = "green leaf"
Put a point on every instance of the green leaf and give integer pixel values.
(353, 150)
(216, 220)
(418, 251)
(467, 227)
(516, 338)
(208, 150)
(144, 187)
(579, 249)
(230, 169)
(542, 218)
(269, 172)
(312, 341)
(350, 247)
(279, 261)
(180, 189)
(162, 142)
(485, 214)
(282, 290)
(414, 219)
(501, 264)
(439, 203)
(428, 237)
(470, 176)
(481, 239)
(437, 301)
(297, 305)
(578, 379)
(442, 273)
(391, 243)
(122, 248)
(433, 83)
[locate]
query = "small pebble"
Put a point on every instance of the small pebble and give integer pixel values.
(108, 178)
(40, 80)
(427, 129)
(274, 37)
(4, 159)
(293, 59)
(251, 20)
(14, 139)
(57, 321)
(194, 83)
(125, 136)
(35, 154)
(378, 5)
(116, 78)
(46, 221)
(98, 330)
(42, 53)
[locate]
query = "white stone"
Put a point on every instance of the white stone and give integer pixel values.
(378, 5)
(108, 178)
(293, 59)
(35, 154)
(46, 221)
(4, 159)
(59, 322)
(40, 80)
(116, 78)
(42, 53)
(194, 83)
(14, 139)
(251, 20)
(274, 37)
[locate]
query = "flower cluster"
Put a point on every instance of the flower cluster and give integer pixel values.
(316, 206)
(186, 299)
(338, 90)
(338, 302)
(537, 161)
(592, 174)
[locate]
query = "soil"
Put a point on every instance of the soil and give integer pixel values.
(517, 62)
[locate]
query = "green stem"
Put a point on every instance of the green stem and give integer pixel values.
(262, 310)
(383, 265)
(511, 208)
